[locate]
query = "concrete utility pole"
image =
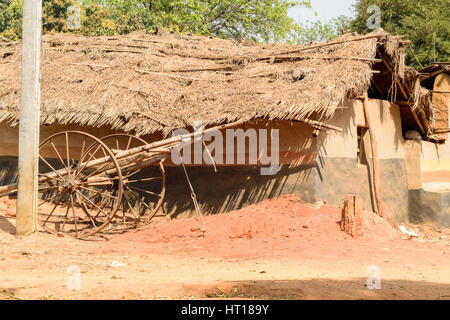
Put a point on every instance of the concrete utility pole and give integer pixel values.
(29, 118)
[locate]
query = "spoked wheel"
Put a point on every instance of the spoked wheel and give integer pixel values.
(144, 189)
(80, 184)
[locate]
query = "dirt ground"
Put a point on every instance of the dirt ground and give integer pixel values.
(278, 249)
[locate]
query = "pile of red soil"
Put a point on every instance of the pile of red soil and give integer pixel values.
(277, 227)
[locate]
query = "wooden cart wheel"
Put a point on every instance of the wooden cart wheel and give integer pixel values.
(80, 187)
(144, 189)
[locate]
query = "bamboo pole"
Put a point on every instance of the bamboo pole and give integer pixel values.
(399, 83)
(431, 75)
(332, 43)
(315, 123)
(414, 114)
(323, 57)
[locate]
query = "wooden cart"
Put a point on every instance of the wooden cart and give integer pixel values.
(88, 184)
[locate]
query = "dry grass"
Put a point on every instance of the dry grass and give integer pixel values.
(145, 83)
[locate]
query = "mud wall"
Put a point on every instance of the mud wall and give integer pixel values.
(232, 187)
(323, 168)
(339, 170)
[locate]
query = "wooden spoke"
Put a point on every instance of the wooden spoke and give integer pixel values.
(83, 166)
(86, 212)
(100, 210)
(144, 179)
(116, 140)
(67, 150)
(74, 216)
(48, 188)
(101, 193)
(83, 145)
(53, 210)
(59, 156)
(96, 171)
(50, 166)
(95, 205)
(137, 198)
(145, 191)
(65, 219)
(47, 200)
(49, 177)
(128, 143)
(132, 210)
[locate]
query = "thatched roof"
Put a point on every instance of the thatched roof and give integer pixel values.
(146, 83)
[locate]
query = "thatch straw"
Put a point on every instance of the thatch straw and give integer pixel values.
(146, 83)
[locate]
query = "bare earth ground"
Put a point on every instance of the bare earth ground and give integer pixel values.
(279, 249)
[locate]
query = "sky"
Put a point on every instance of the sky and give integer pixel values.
(326, 10)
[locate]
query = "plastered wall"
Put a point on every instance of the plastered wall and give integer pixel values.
(338, 167)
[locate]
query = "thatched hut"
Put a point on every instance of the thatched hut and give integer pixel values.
(149, 85)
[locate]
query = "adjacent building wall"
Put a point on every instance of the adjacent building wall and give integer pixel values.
(339, 170)
(430, 198)
(437, 158)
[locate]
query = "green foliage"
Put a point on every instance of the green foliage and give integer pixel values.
(11, 19)
(425, 22)
(312, 31)
(248, 19)
(97, 21)
(259, 20)
(130, 15)
(232, 19)
(4, 3)
(54, 15)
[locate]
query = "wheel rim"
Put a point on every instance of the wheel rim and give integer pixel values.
(143, 193)
(76, 198)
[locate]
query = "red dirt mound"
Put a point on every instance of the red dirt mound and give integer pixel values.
(277, 227)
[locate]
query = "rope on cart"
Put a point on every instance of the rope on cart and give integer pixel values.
(193, 196)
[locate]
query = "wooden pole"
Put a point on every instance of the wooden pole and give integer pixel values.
(29, 118)
(332, 43)
(375, 159)
(319, 124)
